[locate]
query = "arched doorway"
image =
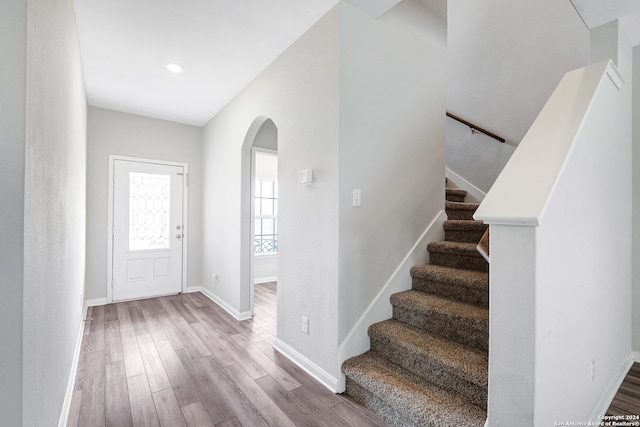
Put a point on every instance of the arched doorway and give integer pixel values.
(259, 209)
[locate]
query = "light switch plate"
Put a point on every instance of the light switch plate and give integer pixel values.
(306, 176)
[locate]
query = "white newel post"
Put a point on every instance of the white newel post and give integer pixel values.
(512, 322)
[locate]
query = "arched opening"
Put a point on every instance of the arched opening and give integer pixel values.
(259, 214)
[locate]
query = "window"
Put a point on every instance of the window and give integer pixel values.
(266, 222)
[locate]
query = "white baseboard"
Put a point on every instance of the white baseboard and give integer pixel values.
(96, 302)
(612, 388)
(66, 404)
(239, 316)
(265, 280)
(357, 340)
(473, 192)
(322, 376)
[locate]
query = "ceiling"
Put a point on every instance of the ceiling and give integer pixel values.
(598, 12)
(222, 46)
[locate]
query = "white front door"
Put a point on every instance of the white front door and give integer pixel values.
(147, 229)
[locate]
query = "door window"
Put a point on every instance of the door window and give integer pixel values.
(149, 211)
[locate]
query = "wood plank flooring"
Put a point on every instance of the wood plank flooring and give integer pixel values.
(627, 399)
(183, 361)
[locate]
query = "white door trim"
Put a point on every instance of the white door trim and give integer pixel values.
(185, 204)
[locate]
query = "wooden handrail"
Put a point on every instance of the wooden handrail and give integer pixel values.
(472, 126)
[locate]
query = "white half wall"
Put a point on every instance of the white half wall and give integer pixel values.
(584, 266)
(505, 58)
(113, 132)
(563, 201)
(13, 72)
(392, 143)
(54, 210)
(300, 93)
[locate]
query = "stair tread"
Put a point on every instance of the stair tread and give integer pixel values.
(455, 194)
(464, 224)
(426, 404)
(450, 275)
(468, 363)
(449, 247)
(424, 302)
(461, 206)
(458, 191)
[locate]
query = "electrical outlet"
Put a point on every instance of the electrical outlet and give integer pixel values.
(305, 324)
(357, 197)
(593, 370)
(216, 279)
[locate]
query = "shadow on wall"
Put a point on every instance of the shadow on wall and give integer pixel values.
(476, 157)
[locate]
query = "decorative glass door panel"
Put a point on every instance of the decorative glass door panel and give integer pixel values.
(149, 211)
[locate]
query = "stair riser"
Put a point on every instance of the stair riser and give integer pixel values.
(479, 297)
(464, 236)
(433, 372)
(453, 328)
(454, 198)
(387, 411)
(459, 261)
(454, 214)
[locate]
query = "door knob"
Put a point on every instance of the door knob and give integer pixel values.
(178, 236)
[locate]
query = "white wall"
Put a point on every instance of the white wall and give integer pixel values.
(505, 58)
(636, 199)
(611, 41)
(392, 134)
(603, 42)
(300, 93)
(112, 132)
(267, 136)
(476, 157)
(377, 87)
(13, 30)
(265, 268)
(54, 209)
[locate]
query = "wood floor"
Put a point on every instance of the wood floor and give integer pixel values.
(183, 361)
(627, 399)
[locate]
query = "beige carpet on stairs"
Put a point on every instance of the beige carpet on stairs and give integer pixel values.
(428, 365)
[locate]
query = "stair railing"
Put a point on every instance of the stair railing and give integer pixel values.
(476, 127)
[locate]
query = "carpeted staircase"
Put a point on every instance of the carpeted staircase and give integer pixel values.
(428, 364)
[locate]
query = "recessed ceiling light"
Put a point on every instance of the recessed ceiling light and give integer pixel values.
(174, 68)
